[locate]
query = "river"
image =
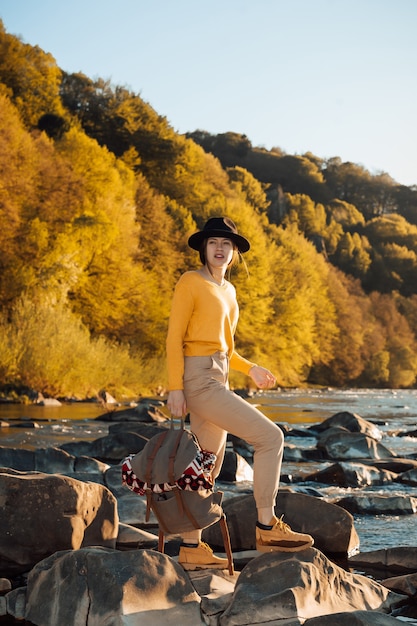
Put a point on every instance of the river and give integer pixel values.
(393, 410)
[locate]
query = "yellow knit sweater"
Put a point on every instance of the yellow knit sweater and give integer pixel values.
(203, 321)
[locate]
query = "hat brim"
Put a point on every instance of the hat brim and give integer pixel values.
(197, 239)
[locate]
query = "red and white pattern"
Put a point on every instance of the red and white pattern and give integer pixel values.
(196, 476)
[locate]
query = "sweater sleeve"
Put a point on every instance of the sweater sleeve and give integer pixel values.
(181, 311)
(240, 364)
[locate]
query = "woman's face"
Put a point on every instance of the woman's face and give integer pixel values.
(219, 252)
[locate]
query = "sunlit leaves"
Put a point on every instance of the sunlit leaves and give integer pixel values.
(352, 254)
(400, 342)
(309, 216)
(305, 327)
(47, 348)
(32, 77)
(94, 223)
(252, 189)
(345, 214)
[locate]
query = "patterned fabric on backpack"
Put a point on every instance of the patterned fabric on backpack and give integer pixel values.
(196, 476)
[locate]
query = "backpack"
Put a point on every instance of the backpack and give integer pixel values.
(174, 474)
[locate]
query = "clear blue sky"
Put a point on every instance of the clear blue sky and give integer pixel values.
(334, 77)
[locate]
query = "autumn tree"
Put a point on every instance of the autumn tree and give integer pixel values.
(99, 195)
(309, 216)
(40, 192)
(358, 337)
(295, 174)
(123, 122)
(406, 201)
(352, 255)
(31, 76)
(399, 342)
(394, 250)
(345, 214)
(247, 185)
(304, 327)
(352, 183)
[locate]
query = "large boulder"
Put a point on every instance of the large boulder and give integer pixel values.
(215, 587)
(409, 478)
(88, 469)
(352, 474)
(235, 468)
(406, 584)
(301, 585)
(116, 446)
(147, 410)
(15, 606)
(342, 445)
(349, 421)
(51, 460)
(123, 439)
(42, 513)
(77, 448)
(130, 538)
(17, 458)
(398, 560)
(99, 586)
(355, 618)
(394, 464)
(132, 510)
(375, 504)
(113, 480)
(331, 526)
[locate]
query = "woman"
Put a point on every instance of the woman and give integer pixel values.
(200, 348)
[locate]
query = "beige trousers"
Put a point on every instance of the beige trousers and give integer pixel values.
(215, 411)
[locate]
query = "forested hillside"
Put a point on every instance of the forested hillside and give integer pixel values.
(98, 195)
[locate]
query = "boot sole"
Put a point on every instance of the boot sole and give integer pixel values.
(192, 567)
(272, 548)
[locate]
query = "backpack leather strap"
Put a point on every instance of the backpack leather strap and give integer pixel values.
(171, 473)
(161, 541)
(187, 511)
(226, 541)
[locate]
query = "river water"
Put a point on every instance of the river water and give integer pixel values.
(393, 410)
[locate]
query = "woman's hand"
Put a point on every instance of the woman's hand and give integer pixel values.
(262, 377)
(176, 403)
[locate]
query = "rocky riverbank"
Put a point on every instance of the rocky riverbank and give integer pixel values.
(71, 527)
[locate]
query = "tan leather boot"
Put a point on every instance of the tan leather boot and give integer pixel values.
(280, 538)
(200, 557)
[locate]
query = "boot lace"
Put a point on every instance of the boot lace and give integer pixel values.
(282, 525)
(205, 546)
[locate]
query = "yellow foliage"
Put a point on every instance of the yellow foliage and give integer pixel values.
(32, 76)
(49, 349)
(305, 325)
(93, 233)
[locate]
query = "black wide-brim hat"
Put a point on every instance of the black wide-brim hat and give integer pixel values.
(219, 227)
